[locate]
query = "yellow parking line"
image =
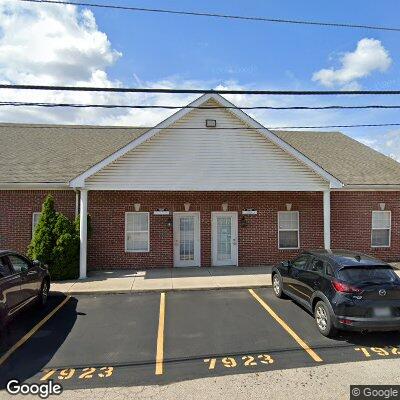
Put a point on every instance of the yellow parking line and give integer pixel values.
(160, 337)
(27, 336)
(287, 328)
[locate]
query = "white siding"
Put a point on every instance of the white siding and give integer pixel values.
(207, 159)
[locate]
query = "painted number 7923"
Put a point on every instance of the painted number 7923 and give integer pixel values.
(232, 362)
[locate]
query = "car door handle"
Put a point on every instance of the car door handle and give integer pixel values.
(32, 273)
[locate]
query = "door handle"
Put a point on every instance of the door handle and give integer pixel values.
(234, 241)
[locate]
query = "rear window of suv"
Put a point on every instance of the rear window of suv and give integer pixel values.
(378, 274)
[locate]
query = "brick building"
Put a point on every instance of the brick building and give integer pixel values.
(208, 186)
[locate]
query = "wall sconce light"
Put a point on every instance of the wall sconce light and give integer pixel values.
(382, 206)
(169, 222)
(224, 206)
(186, 206)
(243, 221)
(136, 206)
(288, 206)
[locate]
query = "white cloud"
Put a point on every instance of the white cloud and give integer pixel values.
(369, 56)
(49, 44)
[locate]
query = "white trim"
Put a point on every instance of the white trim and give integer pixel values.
(33, 221)
(83, 234)
(390, 228)
(148, 231)
(76, 203)
(368, 188)
(235, 224)
(197, 251)
(291, 230)
(327, 219)
(170, 188)
(79, 181)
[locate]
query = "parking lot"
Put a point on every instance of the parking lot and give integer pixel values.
(157, 338)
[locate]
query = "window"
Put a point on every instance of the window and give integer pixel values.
(301, 262)
(137, 232)
(35, 221)
(5, 269)
(317, 266)
(18, 263)
(288, 229)
(381, 227)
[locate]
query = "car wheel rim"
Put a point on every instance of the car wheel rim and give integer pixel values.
(44, 293)
(277, 285)
(322, 318)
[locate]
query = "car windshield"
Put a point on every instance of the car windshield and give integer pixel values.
(367, 275)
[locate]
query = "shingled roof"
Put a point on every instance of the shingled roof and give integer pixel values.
(56, 153)
(350, 161)
(34, 154)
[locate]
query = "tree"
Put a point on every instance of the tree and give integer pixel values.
(66, 249)
(56, 242)
(44, 238)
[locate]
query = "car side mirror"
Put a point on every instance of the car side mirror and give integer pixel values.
(36, 263)
(286, 264)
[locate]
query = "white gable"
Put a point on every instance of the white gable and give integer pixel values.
(207, 159)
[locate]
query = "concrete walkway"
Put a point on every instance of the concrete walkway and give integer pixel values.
(165, 279)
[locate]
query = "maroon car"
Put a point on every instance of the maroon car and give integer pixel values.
(22, 282)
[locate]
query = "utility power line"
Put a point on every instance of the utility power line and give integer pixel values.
(202, 128)
(223, 16)
(199, 91)
(170, 107)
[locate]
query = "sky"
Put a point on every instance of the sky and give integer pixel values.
(68, 45)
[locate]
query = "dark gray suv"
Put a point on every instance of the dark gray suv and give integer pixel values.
(22, 282)
(343, 289)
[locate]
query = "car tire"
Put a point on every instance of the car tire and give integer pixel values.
(323, 320)
(44, 293)
(277, 286)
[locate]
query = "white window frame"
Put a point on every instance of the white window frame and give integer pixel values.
(126, 232)
(390, 228)
(34, 214)
(287, 230)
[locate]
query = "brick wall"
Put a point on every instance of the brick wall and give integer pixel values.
(16, 208)
(258, 241)
(351, 220)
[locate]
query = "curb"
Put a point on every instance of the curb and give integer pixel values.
(110, 292)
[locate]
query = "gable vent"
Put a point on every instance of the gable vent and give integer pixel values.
(211, 123)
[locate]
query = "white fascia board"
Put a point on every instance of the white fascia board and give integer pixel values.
(369, 188)
(334, 182)
(79, 181)
(207, 188)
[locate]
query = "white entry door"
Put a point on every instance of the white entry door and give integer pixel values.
(187, 239)
(224, 227)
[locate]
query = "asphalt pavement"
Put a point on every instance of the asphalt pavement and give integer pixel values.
(121, 340)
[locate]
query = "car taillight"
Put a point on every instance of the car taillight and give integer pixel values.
(345, 288)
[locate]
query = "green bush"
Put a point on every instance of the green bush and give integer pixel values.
(56, 242)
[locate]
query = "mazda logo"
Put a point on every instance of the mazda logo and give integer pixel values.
(382, 292)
